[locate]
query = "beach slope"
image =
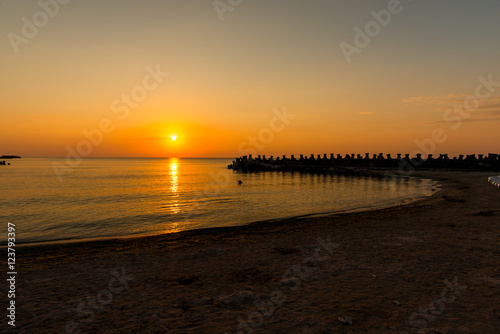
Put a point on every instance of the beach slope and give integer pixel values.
(432, 265)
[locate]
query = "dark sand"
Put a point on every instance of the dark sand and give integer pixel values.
(429, 266)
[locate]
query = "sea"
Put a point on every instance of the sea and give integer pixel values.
(120, 197)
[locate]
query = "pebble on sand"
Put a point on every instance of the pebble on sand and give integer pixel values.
(346, 320)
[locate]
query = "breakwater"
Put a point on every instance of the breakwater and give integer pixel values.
(352, 163)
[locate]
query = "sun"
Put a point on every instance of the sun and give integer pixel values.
(173, 137)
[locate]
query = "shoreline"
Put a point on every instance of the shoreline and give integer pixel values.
(215, 230)
(216, 280)
(435, 188)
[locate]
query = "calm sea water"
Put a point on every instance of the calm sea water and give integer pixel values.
(123, 197)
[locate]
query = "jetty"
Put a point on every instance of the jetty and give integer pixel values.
(358, 164)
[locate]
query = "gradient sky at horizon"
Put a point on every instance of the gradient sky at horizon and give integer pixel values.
(227, 77)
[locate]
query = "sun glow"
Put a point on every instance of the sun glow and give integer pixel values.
(173, 137)
(174, 185)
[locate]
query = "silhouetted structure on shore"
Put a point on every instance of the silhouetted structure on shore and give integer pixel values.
(352, 163)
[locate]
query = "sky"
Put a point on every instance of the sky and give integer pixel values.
(119, 78)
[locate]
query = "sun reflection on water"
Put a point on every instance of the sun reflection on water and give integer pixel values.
(174, 185)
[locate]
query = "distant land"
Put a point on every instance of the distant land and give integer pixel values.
(10, 157)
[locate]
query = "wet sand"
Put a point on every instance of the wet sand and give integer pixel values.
(431, 266)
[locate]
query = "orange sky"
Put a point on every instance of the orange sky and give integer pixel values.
(226, 78)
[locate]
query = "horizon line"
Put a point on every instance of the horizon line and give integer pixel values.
(130, 157)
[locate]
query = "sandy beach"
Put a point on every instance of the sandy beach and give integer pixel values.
(432, 266)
